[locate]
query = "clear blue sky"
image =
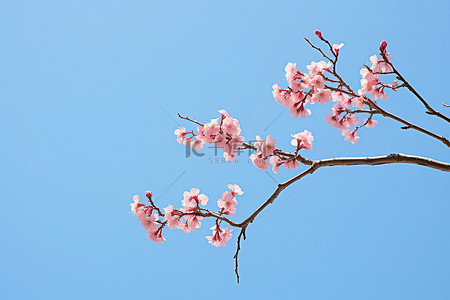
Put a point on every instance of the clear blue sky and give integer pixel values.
(89, 96)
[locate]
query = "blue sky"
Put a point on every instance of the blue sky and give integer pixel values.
(89, 96)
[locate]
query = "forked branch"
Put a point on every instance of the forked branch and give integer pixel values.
(393, 158)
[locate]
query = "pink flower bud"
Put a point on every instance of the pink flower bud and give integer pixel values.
(148, 194)
(383, 44)
(319, 34)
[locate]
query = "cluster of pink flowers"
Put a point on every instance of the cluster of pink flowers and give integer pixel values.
(188, 217)
(224, 132)
(265, 151)
(303, 88)
(371, 83)
(348, 120)
(148, 220)
(228, 202)
(312, 88)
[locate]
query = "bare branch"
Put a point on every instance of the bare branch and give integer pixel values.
(238, 248)
(318, 49)
(430, 110)
(189, 119)
(408, 124)
(350, 161)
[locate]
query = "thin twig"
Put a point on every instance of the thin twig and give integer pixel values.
(236, 255)
(189, 119)
(408, 124)
(318, 49)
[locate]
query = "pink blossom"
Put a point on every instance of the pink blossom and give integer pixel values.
(209, 131)
(229, 157)
(259, 144)
(197, 145)
(266, 147)
(223, 113)
(322, 96)
(181, 136)
(193, 222)
(282, 96)
(192, 198)
(351, 136)
(316, 68)
(379, 65)
(231, 147)
(292, 74)
(297, 107)
(369, 81)
(231, 126)
(371, 123)
(219, 236)
(378, 93)
(235, 189)
(291, 164)
(259, 161)
(225, 134)
(180, 132)
(334, 121)
(339, 97)
(359, 102)
(302, 140)
(342, 98)
(338, 108)
(337, 47)
(269, 145)
(227, 203)
(350, 120)
(172, 217)
(156, 235)
(315, 82)
(147, 221)
(136, 204)
(369, 84)
(185, 227)
(276, 163)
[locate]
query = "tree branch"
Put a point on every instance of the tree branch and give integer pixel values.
(342, 161)
(350, 161)
(430, 110)
(408, 124)
(236, 255)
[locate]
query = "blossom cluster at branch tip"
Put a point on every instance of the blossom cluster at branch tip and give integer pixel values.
(317, 86)
(148, 220)
(188, 217)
